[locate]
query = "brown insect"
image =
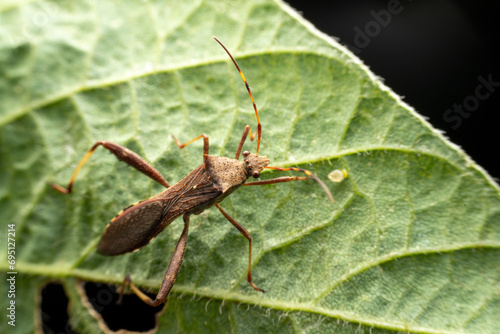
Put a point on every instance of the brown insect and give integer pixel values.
(207, 185)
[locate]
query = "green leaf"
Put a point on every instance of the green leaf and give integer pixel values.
(411, 244)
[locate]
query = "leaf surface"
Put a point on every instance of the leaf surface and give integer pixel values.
(411, 243)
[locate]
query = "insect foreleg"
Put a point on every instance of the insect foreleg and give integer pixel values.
(246, 131)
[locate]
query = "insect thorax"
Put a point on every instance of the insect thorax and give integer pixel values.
(225, 172)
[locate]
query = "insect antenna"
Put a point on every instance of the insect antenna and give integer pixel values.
(309, 174)
(259, 127)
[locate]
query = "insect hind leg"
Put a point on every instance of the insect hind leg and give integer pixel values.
(170, 275)
(122, 153)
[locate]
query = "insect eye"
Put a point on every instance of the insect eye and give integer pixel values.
(246, 153)
(256, 174)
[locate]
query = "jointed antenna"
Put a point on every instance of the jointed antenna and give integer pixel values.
(259, 127)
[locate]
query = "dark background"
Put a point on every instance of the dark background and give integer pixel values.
(432, 54)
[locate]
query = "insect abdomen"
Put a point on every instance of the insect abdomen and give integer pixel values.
(133, 228)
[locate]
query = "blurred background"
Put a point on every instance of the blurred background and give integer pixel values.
(441, 56)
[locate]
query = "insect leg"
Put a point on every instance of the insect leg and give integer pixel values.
(246, 131)
(123, 154)
(170, 275)
(205, 143)
(246, 235)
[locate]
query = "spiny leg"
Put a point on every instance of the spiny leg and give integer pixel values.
(246, 235)
(283, 179)
(170, 275)
(122, 153)
(259, 126)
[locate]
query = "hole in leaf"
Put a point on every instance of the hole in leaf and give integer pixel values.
(131, 315)
(54, 310)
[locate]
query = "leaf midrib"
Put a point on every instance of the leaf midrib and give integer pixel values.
(70, 270)
(257, 300)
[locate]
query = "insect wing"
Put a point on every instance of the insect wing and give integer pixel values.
(133, 227)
